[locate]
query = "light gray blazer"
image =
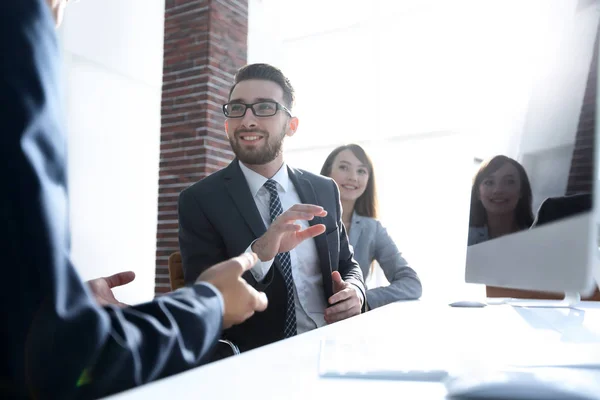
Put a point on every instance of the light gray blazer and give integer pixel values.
(371, 241)
(478, 235)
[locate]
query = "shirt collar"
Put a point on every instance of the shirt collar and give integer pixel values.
(256, 181)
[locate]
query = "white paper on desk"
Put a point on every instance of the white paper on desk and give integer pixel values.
(544, 354)
(370, 358)
(384, 358)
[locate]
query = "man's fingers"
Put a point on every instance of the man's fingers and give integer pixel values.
(311, 232)
(245, 261)
(290, 228)
(261, 301)
(309, 208)
(330, 319)
(339, 308)
(340, 296)
(338, 282)
(120, 279)
(244, 317)
(241, 264)
(291, 215)
(337, 277)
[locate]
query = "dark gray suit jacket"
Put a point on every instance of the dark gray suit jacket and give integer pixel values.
(371, 241)
(218, 219)
(53, 332)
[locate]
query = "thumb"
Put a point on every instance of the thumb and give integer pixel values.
(337, 278)
(338, 282)
(120, 279)
(261, 301)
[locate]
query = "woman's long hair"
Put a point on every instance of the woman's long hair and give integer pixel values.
(523, 212)
(366, 205)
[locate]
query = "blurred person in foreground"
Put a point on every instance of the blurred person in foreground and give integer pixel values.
(58, 341)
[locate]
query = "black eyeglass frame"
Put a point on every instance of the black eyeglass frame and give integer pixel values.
(251, 106)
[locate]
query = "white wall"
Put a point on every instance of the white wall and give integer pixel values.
(390, 76)
(423, 189)
(113, 67)
(425, 86)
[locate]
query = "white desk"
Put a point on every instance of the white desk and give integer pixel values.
(289, 369)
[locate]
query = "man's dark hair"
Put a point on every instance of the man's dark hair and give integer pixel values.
(268, 73)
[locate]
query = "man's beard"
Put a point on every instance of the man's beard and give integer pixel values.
(259, 155)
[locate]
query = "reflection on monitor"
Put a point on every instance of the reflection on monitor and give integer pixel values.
(532, 221)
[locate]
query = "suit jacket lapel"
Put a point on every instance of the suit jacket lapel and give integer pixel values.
(355, 229)
(307, 195)
(238, 189)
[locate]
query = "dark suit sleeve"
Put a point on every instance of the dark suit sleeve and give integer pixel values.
(202, 246)
(347, 265)
(56, 342)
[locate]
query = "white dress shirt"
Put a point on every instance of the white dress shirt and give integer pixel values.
(308, 280)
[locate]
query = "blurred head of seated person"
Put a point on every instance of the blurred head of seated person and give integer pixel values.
(500, 200)
(352, 169)
(68, 339)
(554, 208)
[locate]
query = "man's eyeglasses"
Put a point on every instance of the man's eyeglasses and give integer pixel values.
(260, 109)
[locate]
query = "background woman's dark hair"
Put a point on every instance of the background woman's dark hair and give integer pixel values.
(523, 212)
(366, 205)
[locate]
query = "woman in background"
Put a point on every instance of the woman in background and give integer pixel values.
(500, 200)
(351, 168)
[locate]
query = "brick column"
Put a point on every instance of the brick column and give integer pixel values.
(205, 43)
(582, 163)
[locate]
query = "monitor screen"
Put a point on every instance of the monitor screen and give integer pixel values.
(541, 172)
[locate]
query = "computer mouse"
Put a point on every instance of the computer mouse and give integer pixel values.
(527, 384)
(467, 303)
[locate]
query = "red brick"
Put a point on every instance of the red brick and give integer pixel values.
(581, 174)
(204, 45)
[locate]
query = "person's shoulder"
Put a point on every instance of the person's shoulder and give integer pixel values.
(315, 179)
(372, 226)
(368, 221)
(477, 234)
(478, 230)
(207, 184)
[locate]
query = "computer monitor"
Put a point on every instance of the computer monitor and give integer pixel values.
(534, 216)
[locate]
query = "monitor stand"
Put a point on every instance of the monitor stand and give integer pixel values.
(570, 300)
